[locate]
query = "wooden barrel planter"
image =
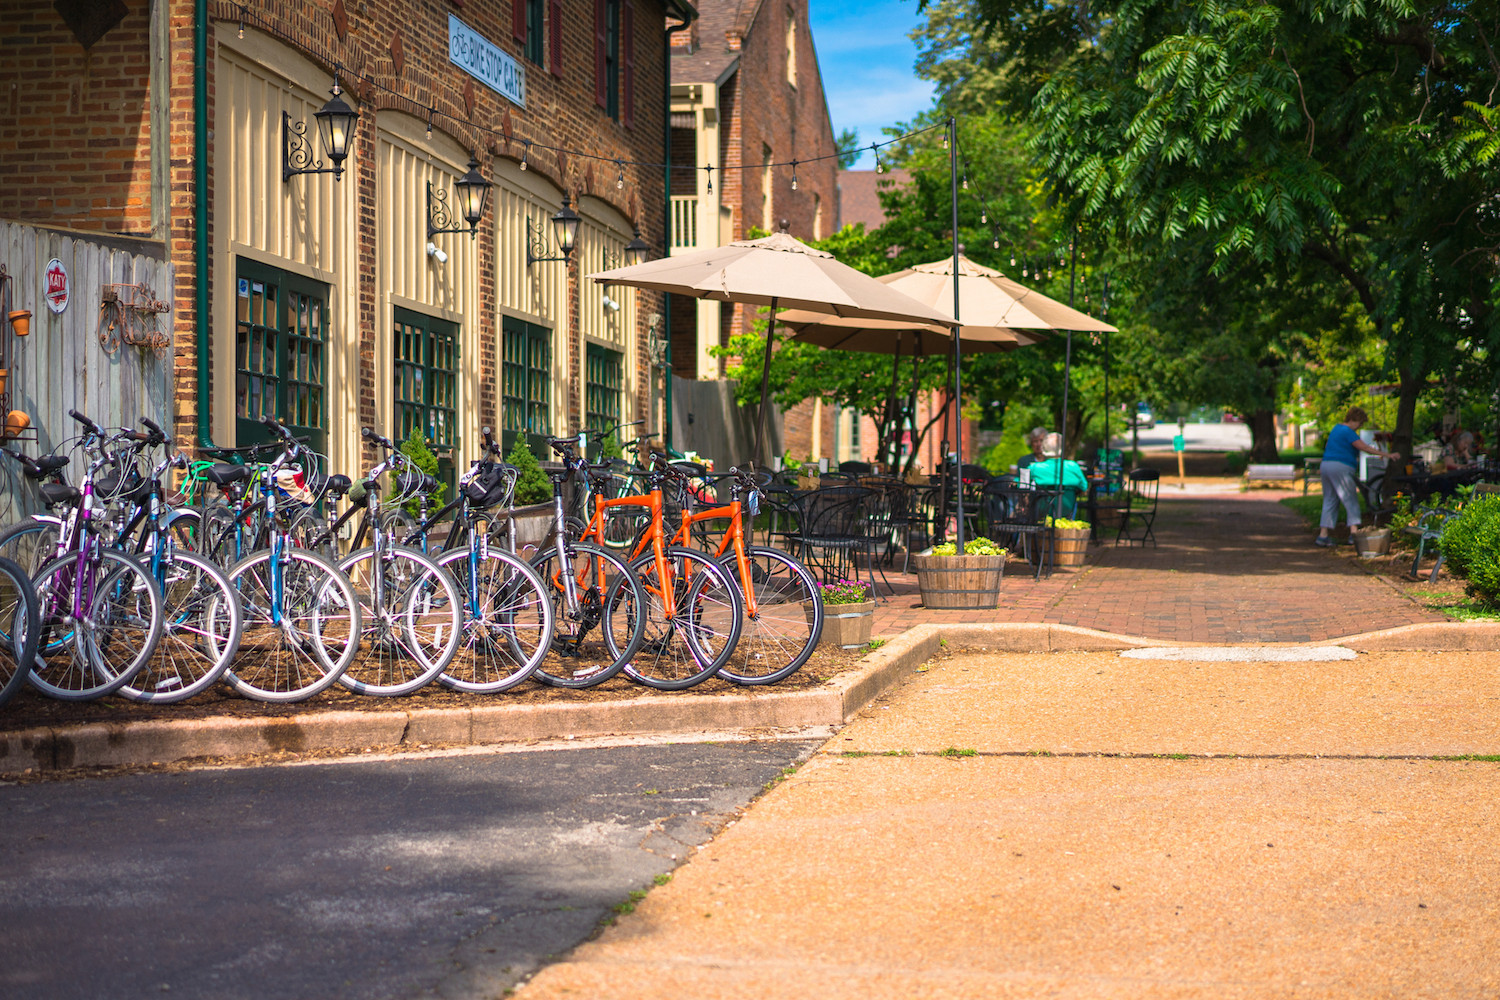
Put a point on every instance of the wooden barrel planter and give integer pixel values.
(956, 583)
(1070, 545)
(847, 626)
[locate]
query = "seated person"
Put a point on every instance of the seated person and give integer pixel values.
(1034, 442)
(1463, 450)
(1056, 472)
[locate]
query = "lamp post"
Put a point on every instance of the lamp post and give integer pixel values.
(564, 229)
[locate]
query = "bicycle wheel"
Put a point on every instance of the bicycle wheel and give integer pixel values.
(507, 621)
(201, 631)
(592, 644)
(94, 653)
(788, 620)
(691, 645)
(411, 636)
(300, 633)
(31, 544)
(20, 628)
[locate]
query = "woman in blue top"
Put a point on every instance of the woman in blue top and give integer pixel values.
(1340, 462)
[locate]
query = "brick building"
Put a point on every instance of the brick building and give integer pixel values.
(323, 298)
(747, 99)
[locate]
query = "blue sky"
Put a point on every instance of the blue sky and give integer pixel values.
(866, 59)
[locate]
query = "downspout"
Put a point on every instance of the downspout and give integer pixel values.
(666, 237)
(200, 214)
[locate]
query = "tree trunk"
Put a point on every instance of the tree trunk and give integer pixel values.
(1403, 438)
(1263, 437)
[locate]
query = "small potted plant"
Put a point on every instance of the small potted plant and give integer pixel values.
(848, 613)
(950, 582)
(1070, 541)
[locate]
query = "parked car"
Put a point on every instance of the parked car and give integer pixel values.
(1142, 417)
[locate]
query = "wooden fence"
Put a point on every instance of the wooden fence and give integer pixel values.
(64, 364)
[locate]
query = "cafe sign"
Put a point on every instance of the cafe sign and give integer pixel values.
(55, 285)
(484, 61)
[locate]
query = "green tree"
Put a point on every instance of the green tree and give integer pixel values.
(848, 146)
(532, 484)
(415, 448)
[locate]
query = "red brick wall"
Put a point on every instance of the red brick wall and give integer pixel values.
(75, 135)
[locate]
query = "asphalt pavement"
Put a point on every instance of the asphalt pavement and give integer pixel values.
(453, 875)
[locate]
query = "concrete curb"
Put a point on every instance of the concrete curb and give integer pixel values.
(832, 704)
(165, 741)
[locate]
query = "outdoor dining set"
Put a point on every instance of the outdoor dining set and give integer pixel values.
(851, 522)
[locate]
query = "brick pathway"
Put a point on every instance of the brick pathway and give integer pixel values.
(1237, 568)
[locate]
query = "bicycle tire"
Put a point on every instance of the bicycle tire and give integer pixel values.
(88, 657)
(20, 628)
(202, 626)
(788, 622)
(689, 648)
(594, 644)
(413, 637)
(305, 651)
(30, 544)
(507, 622)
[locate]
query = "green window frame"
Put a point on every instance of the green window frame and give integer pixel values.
(425, 370)
(280, 344)
(525, 385)
(603, 385)
(535, 10)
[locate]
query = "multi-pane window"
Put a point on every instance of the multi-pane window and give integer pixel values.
(426, 383)
(604, 377)
(534, 29)
(281, 329)
(525, 384)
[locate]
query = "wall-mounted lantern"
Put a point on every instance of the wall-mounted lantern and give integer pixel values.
(470, 192)
(336, 123)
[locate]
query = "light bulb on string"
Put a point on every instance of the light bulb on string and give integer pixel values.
(620, 182)
(710, 179)
(1012, 260)
(996, 244)
(794, 175)
(525, 152)
(984, 218)
(430, 112)
(242, 20)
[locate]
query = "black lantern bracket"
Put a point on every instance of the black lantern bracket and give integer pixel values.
(564, 223)
(336, 124)
(472, 191)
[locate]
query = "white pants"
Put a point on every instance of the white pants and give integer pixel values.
(1338, 487)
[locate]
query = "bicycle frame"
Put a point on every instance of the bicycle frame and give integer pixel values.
(734, 535)
(655, 536)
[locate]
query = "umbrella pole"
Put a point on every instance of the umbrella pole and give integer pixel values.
(765, 384)
(1068, 362)
(890, 410)
(958, 407)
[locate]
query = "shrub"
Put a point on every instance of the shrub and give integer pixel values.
(415, 448)
(532, 485)
(972, 547)
(1471, 544)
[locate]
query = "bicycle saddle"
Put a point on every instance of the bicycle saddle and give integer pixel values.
(56, 493)
(222, 474)
(46, 465)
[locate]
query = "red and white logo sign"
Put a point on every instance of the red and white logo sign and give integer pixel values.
(57, 289)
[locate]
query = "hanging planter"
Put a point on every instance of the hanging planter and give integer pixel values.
(20, 322)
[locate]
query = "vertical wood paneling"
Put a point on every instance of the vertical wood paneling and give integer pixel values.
(62, 364)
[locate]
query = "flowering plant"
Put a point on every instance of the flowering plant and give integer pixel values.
(845, 592)
(972, 547)
(1063, 522)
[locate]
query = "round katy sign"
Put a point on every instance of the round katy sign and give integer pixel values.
(57, 290)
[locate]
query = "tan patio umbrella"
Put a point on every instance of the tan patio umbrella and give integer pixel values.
(776, 271)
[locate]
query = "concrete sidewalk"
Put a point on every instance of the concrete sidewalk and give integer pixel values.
(1087, 825)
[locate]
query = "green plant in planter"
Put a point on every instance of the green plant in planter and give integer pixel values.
(972, 547)
(845, 592)
(1063, 522)
(532, 485)
(415, 448)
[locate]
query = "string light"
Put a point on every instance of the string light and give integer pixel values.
(242, 20)
(984, 218)
(794, 175)
(525, 152)
(620, 182)
(879, 167)
(430, 112)
(710, 179)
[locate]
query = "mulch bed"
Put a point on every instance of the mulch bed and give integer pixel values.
(29, 709)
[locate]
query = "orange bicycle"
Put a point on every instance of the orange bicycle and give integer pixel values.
(782, 600)
(693, 608)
